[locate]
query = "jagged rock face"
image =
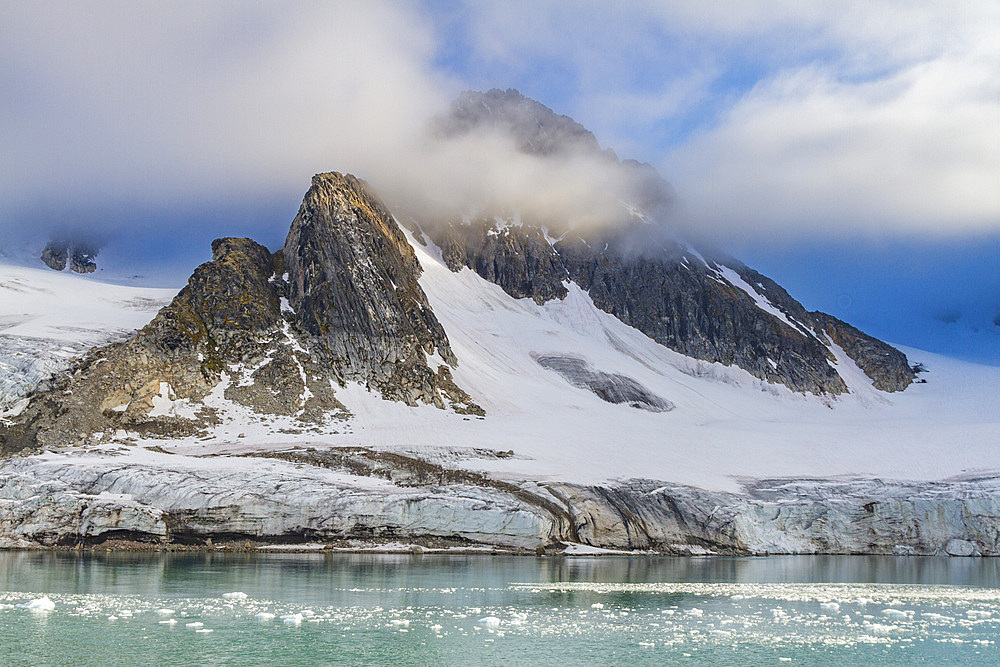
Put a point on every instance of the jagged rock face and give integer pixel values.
(538, 130)
(353, 286)
(885, 365)
(666, 291)
(637, 269)
(354, 312)
(522, 263)
(78, 254)
(226, 324)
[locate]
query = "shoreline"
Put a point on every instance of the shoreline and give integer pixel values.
(414, 549)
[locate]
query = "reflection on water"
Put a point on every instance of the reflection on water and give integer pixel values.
(343, 608)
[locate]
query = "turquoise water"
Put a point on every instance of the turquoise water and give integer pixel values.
(124, 609)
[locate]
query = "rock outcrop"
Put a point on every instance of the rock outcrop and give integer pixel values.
(275, 333)
(79, 255)
(224, 331)
(353, 288)
(714, 310)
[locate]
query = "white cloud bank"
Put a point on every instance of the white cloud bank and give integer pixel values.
(872, 117)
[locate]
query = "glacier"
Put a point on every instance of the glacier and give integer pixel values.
(737, 465)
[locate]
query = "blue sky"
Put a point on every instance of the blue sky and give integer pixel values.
(850, 151)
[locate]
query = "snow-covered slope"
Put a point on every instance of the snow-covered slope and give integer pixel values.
(734, 463)
(726, 425)
(47, 318)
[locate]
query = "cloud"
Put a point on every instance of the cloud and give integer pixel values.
(799, 119)
(120, 108)
(811, 151)
(791, 117)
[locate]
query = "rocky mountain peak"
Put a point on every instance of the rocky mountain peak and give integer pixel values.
(536, 128)
(352, 285)
(262, 337)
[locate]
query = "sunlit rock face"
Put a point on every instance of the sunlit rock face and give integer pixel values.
(278, 334)
(353, 288)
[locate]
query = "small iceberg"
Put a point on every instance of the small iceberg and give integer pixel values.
(264, 616)
(41, 604)
(195, 624)
(292, 619)
(165, 612)
(172, 621)
(235, 595)
(491, 622)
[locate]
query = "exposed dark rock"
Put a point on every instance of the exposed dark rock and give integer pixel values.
(277, 333)
(353, 287)
(227, 320)
(536, 127)
(80, 255)
(610, 387)
(518, 259)
(55, 254)
(884, 364)
(638, 271)
(538, 130)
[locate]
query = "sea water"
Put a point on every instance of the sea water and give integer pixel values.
(321, 609)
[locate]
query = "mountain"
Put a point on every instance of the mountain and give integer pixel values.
(476, 380)
(701, 305)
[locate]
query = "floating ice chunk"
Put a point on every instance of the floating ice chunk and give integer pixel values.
(973, 614)
(940, 618)
(695, 612)
(597, 605)
(668, 612)
(490, 622)
(165, 612)
(264, 616)
(204, 630)
(292, 619)
(830, 606)
(310, 612)
(112, 618)
(39, 604)
(195, 624)
(172, 621)
(879, 629)
(235, 595)
(897, 613)
(436, 627)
